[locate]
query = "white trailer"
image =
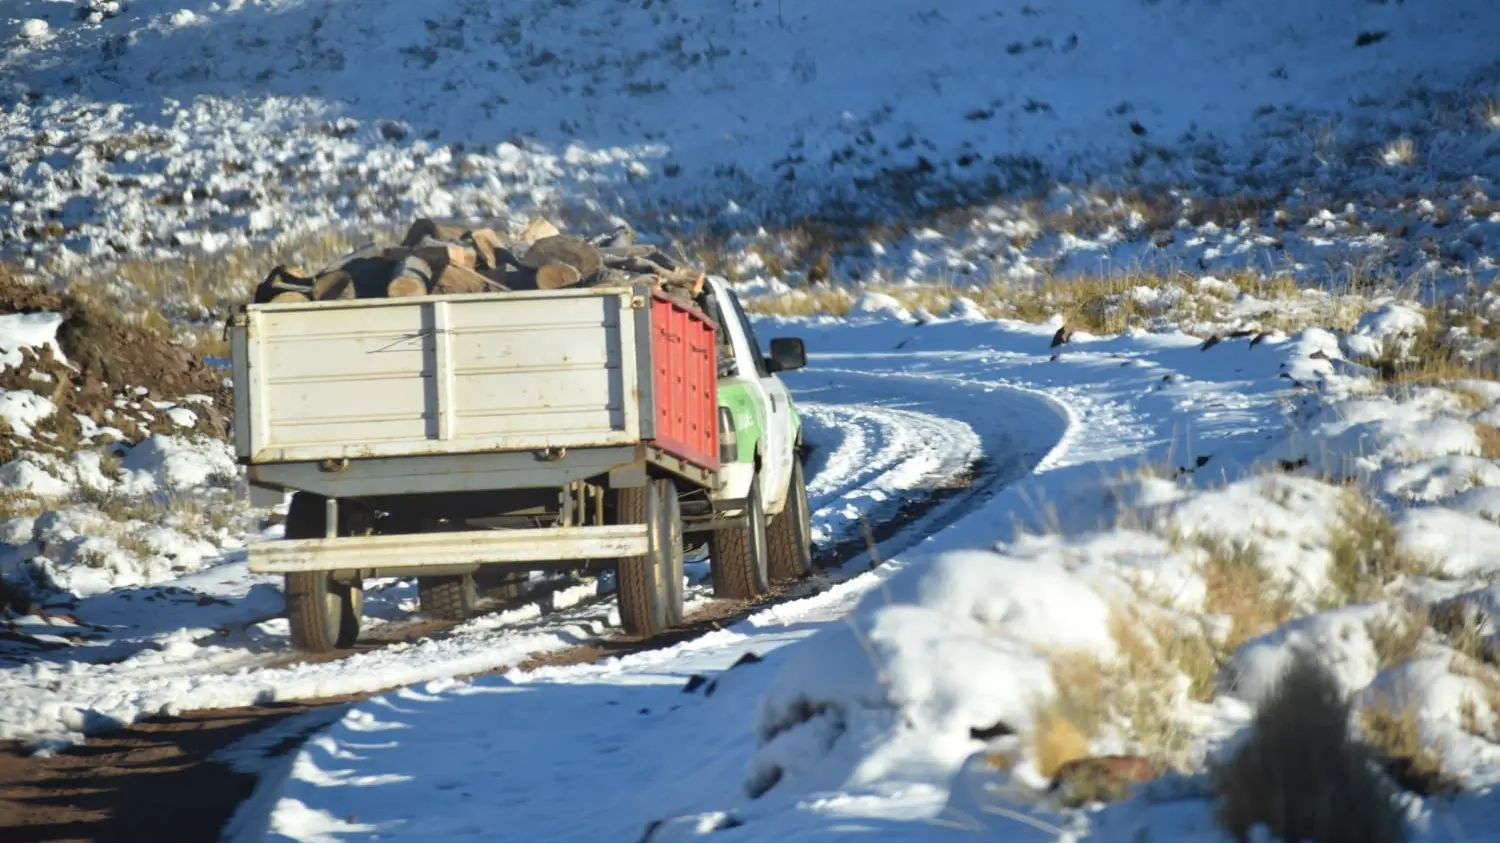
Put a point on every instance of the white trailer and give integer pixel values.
(471, 439)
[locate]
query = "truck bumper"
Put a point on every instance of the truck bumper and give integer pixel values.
(391, 555)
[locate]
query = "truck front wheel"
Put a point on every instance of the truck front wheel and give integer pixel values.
(650, 585)
(737, 555)
(324, 615)
(790, 533)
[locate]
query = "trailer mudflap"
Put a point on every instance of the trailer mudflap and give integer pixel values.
(449, 548)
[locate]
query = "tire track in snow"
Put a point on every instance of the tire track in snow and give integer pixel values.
(885, 454)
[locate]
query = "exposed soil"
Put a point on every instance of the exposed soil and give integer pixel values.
(157, 780)
(107, 358)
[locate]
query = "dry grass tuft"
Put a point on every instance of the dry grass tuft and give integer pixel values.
(1095, 304)
(1367, 555)
(1489, 113)
(1240, 587)
(14, 504)
(1489, 440)
(1056, 742)
(1396, 735)
(1139, 692)
(1462, 626)
(1397, 636)
(1399, 153)
(1301, 774)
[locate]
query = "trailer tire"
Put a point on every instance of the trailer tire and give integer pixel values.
(500, 584)
(646, 595)
(451, 596)
(737, 556)
(790, 533)
(324, 615)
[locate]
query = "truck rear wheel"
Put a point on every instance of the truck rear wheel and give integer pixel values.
(790, 533)
(324, 615)
(450, 596)
(737, 556)
(650, 585)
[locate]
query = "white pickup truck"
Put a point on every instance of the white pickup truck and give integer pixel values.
(471, 439)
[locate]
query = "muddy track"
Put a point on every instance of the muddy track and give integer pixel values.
(158, 780)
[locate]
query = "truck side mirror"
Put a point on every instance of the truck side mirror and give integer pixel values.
(787, 353)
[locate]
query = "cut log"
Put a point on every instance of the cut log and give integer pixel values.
(428, 228)
(282, 279)
(333, 284)
(455, 278)
(413, 277)
(439, 254)
(560, 249)
(538, 229)
(405, 286)
(487, 244)
(553, 276)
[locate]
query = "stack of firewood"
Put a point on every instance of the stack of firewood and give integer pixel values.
(441, 258)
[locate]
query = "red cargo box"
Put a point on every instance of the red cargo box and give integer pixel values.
(685, 381)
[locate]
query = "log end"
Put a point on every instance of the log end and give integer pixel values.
(553, 276)
(406, 286)
(537, 229)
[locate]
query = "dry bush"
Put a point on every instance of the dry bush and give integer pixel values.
(1301, 774)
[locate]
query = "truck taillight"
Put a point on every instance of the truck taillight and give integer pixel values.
(729, 447)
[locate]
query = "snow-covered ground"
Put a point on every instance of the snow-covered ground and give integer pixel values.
(855, 722)
(151, 125)
(1165, 511)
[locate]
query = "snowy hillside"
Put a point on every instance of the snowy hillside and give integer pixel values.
(1153, 352)
(145, 124)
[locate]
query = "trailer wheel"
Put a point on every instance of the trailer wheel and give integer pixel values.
(500, 584)
(648, 602)
(324, 615)
(790, 533)
(451, 596)
(737, 556)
